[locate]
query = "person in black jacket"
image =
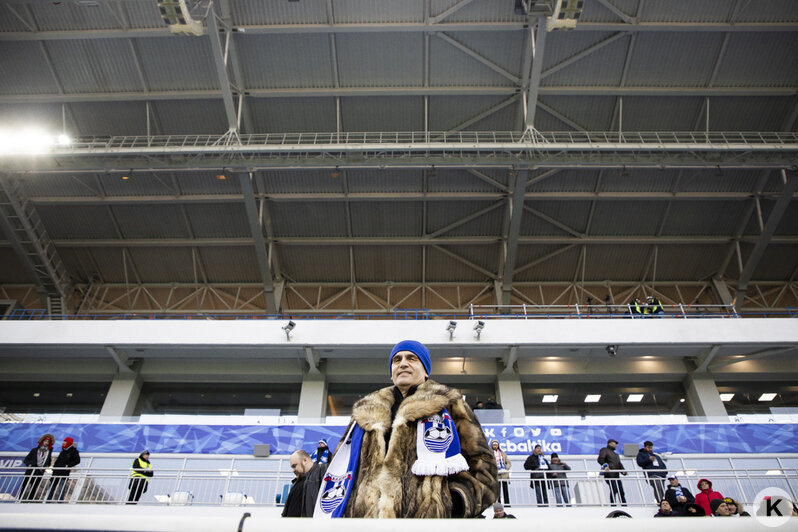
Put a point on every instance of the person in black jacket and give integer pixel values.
(539, 466)
(38, 459)
(655, 469)
(611, 468)
(677, 495)
(301, 500)
(68, 457)
(139, 478)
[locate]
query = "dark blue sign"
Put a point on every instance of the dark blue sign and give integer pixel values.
(514, 439)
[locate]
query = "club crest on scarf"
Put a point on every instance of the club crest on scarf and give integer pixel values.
(437, 434)
(333, 491)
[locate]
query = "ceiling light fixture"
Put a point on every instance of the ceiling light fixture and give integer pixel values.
(550, 398)
(593, 398)
(767, 397)
(726, 397)
(634, 398)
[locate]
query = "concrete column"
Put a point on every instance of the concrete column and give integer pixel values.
(313, 398)
(703, 399)
(122, 396)
(508, 391)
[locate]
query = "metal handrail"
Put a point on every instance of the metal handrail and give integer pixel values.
(232, 487)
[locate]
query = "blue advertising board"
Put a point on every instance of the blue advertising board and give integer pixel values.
(514, 439)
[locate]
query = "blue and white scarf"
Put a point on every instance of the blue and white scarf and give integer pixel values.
(437, 447)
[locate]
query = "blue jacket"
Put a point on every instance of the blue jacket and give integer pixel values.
(658, 465)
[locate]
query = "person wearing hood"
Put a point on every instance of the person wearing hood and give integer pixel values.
(665, 509)
(414, 449)
(68, 458)
(693, 510)
(655, 469)
(322, 453)
(139, 477)
(503, 467)
(677, 495)
(38, 459)
(705, 495)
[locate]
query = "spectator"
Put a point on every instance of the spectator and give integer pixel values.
(612, 468)
(655, 469)
(479, 405)
(322, 452)
(503, 466)
(414, 449)
(301, 498)
(68, 458)
(498, 512)
(139, 478)
(705, 495)
(638, 309)
(719, 508)
(38, 459)
(665, 509)
(539, 466)
(693, 510)
(677, 495)
(491, 404)
(654, 306)
(558, 480)
(735, 508)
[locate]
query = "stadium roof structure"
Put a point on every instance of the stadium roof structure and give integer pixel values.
(335, 156)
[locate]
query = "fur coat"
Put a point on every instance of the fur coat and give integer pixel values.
(386, 488)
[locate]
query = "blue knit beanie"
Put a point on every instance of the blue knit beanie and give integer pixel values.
(417, 348)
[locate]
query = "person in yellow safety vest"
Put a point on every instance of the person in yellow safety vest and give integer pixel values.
(637, 307)
(140, 477)
(654, 305)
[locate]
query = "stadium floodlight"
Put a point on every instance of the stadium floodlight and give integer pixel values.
(478, 328)
(176, 14)
(29, 141)
(288, 327)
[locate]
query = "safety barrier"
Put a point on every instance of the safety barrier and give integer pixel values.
(232, 487)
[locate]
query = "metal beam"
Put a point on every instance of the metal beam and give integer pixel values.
(584, 53)
(533, 87)
(334, 92)
(412, 241)
(121, 359)
(515, 212)
(245, 179)
(220, 62)
(790, 186)
(399, 196)
(479, 57)
(403, 27)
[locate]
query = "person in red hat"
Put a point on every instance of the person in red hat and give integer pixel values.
(39, 458)
(68, 458)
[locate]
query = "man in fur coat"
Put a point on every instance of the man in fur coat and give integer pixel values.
(408, 465)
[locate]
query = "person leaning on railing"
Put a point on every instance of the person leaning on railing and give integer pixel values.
(140, 477)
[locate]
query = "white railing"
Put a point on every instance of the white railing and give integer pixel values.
(525, 311)
(581, 488)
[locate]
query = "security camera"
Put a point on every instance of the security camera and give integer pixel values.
(612, 350)
(288, 327)
(478, 328)
(451, 327)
